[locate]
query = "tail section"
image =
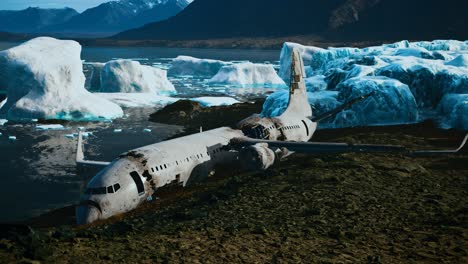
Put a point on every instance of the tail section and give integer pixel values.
(298, 103)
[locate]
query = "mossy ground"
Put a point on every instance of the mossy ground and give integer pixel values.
(346, 208)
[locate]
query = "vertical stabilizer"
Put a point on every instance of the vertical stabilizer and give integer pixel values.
(298, 103)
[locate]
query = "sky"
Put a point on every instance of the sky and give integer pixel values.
(79, 5)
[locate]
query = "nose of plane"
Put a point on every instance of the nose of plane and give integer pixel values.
(87, 212)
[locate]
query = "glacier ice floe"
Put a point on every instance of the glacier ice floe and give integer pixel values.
(430, 69)
(392, 103)
(190, 66)
(321, 102)
(248, 74)
(44, 79)
(50, 127)
(130, 100)
(455, 109)
(127, 76)
(208, 101)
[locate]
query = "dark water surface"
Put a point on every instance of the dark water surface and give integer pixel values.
(37, 171)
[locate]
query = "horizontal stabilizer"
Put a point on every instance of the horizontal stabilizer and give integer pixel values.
(80, 160)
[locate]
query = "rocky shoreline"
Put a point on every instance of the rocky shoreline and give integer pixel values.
(374, 208)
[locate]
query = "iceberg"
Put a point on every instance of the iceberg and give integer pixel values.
(429, 80)
(454, 109)
(93, 82)
(460, 61)
(430, 69)
(248, 74)
(392, 103)
(50, 127)
(153, 100)
(190, 66)
(214, 101)
(318, 58)
(13, 138)
(127, 76)
(321, 102)
(316, 83)
(3, 122)
(130, 100)
(44, 80)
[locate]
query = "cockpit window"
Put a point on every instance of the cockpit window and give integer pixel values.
(139, 184)
(103, 190)
(99, 190)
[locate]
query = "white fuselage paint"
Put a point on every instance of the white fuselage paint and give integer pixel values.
(134, 176)
(178, 161)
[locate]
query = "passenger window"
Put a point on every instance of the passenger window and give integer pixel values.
(137, 179)
(165, 166)
(116, 187)
(110, 189)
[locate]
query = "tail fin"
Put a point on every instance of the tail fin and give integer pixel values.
(298, 103)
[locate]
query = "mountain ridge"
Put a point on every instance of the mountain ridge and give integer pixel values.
(333, 19)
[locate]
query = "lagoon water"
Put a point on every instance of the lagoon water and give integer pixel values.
(37, 170)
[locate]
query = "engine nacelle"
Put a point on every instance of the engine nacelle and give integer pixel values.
(257, 157)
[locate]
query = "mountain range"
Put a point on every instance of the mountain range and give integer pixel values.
(106, 19)
(33, 19)
(332, 19)
(116, 16)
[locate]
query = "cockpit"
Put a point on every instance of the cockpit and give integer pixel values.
(103, 190)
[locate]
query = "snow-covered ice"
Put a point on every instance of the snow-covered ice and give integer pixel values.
(152, 100)
(190, 66)
(147, 130)
(316, 83)
(71, 136)
(50, 127)
(214, 101)
(3, 122)
(118, 130)
(248, 74)
(138, 99)
(321, 102)
(392, 103)
(93, 82)
(127, 76)
(44, 79)
(455, 109)
(460, 61)
(430, 70)
(12, 138)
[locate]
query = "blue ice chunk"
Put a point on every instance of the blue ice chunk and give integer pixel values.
(392, 103)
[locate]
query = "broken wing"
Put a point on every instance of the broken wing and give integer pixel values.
(325, 147)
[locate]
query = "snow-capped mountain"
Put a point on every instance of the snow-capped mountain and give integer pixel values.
(33, 19)
(116, 16)
(340, 19)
